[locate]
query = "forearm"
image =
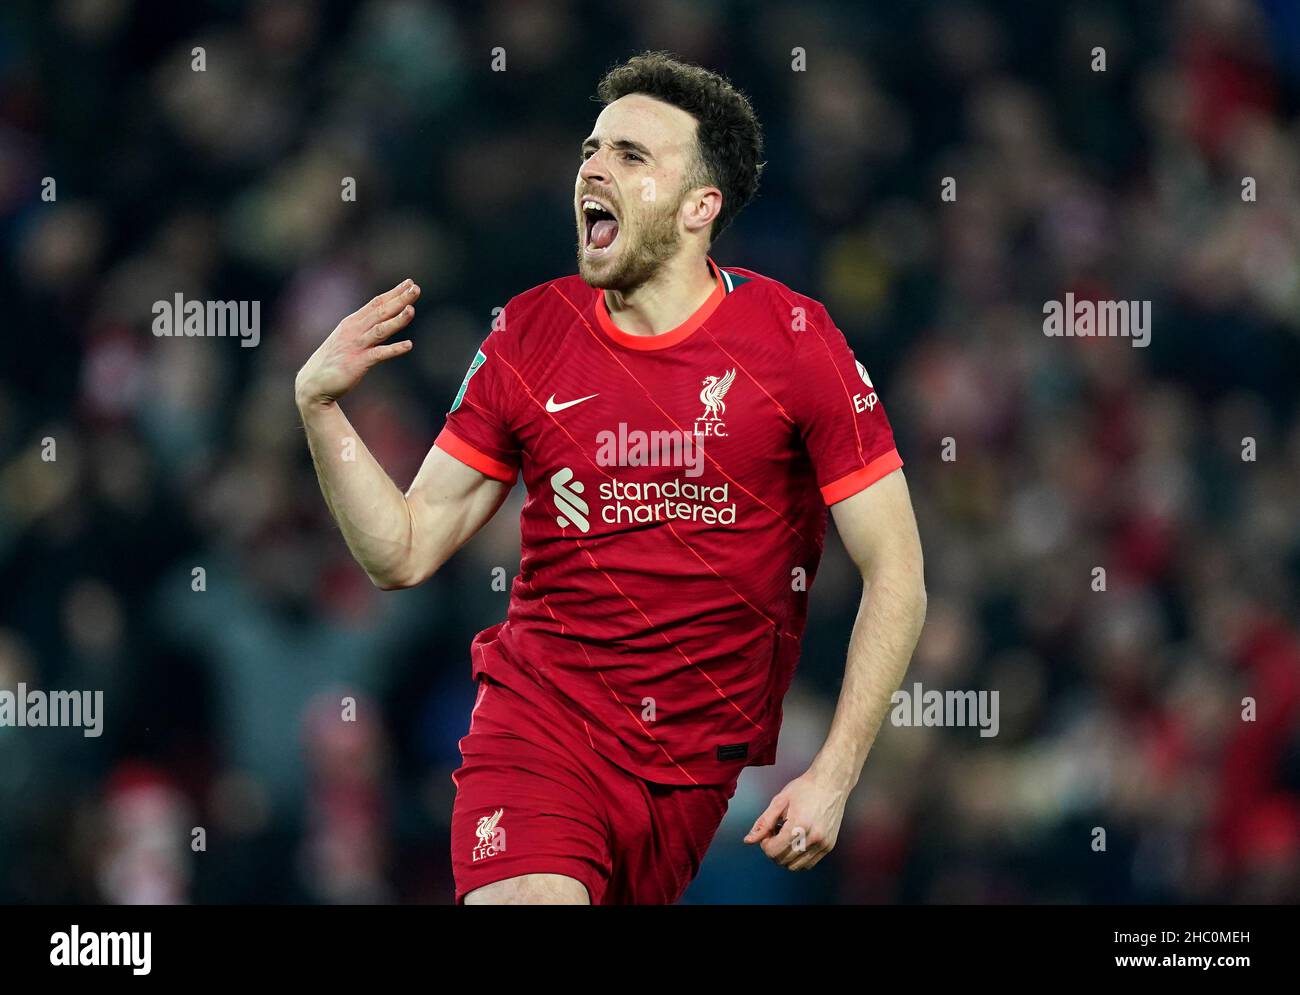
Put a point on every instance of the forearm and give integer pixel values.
(370, 510)
(888, 624)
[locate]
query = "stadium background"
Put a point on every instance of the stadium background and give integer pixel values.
(1118, 709)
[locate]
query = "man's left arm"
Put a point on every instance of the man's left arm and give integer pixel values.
(878, 529)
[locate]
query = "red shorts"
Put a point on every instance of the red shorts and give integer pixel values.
(533, 797)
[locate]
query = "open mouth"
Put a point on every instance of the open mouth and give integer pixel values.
(601, 227)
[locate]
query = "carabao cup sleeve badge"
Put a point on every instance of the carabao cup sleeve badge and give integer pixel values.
(479, 360)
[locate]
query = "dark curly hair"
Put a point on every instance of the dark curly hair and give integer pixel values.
(729, 137)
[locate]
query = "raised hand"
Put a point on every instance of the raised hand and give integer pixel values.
(356, 345)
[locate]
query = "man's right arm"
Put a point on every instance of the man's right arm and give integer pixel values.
(398, 539)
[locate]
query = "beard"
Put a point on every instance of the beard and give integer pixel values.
(639, 260)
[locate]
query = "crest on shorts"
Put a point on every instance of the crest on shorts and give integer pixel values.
(491, 836)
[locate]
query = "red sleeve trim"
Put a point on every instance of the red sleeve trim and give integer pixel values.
(455, 446)
(860, 480)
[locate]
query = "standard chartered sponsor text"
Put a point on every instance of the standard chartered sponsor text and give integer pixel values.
(639, 502)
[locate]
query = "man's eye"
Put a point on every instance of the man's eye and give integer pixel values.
(634, 157)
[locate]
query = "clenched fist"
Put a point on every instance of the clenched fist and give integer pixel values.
(356, 345)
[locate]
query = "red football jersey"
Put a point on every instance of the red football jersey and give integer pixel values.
(677, 492)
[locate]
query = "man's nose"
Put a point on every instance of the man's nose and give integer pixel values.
(593, 168)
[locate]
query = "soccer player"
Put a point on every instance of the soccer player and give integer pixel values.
(681, 428)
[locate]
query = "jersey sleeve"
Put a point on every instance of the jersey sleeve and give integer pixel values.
(478, 427)
(839, 414)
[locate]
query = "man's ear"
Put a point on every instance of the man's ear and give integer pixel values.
(702, 207)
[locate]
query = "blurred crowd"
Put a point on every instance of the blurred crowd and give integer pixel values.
(175, 551)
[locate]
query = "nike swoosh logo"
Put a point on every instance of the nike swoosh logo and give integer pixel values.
(553, 407)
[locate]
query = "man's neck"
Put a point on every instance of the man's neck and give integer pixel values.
(664, 301)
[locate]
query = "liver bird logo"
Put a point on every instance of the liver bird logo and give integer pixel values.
(487, 827)
(715, 389)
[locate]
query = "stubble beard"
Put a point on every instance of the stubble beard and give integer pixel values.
(642, 261)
